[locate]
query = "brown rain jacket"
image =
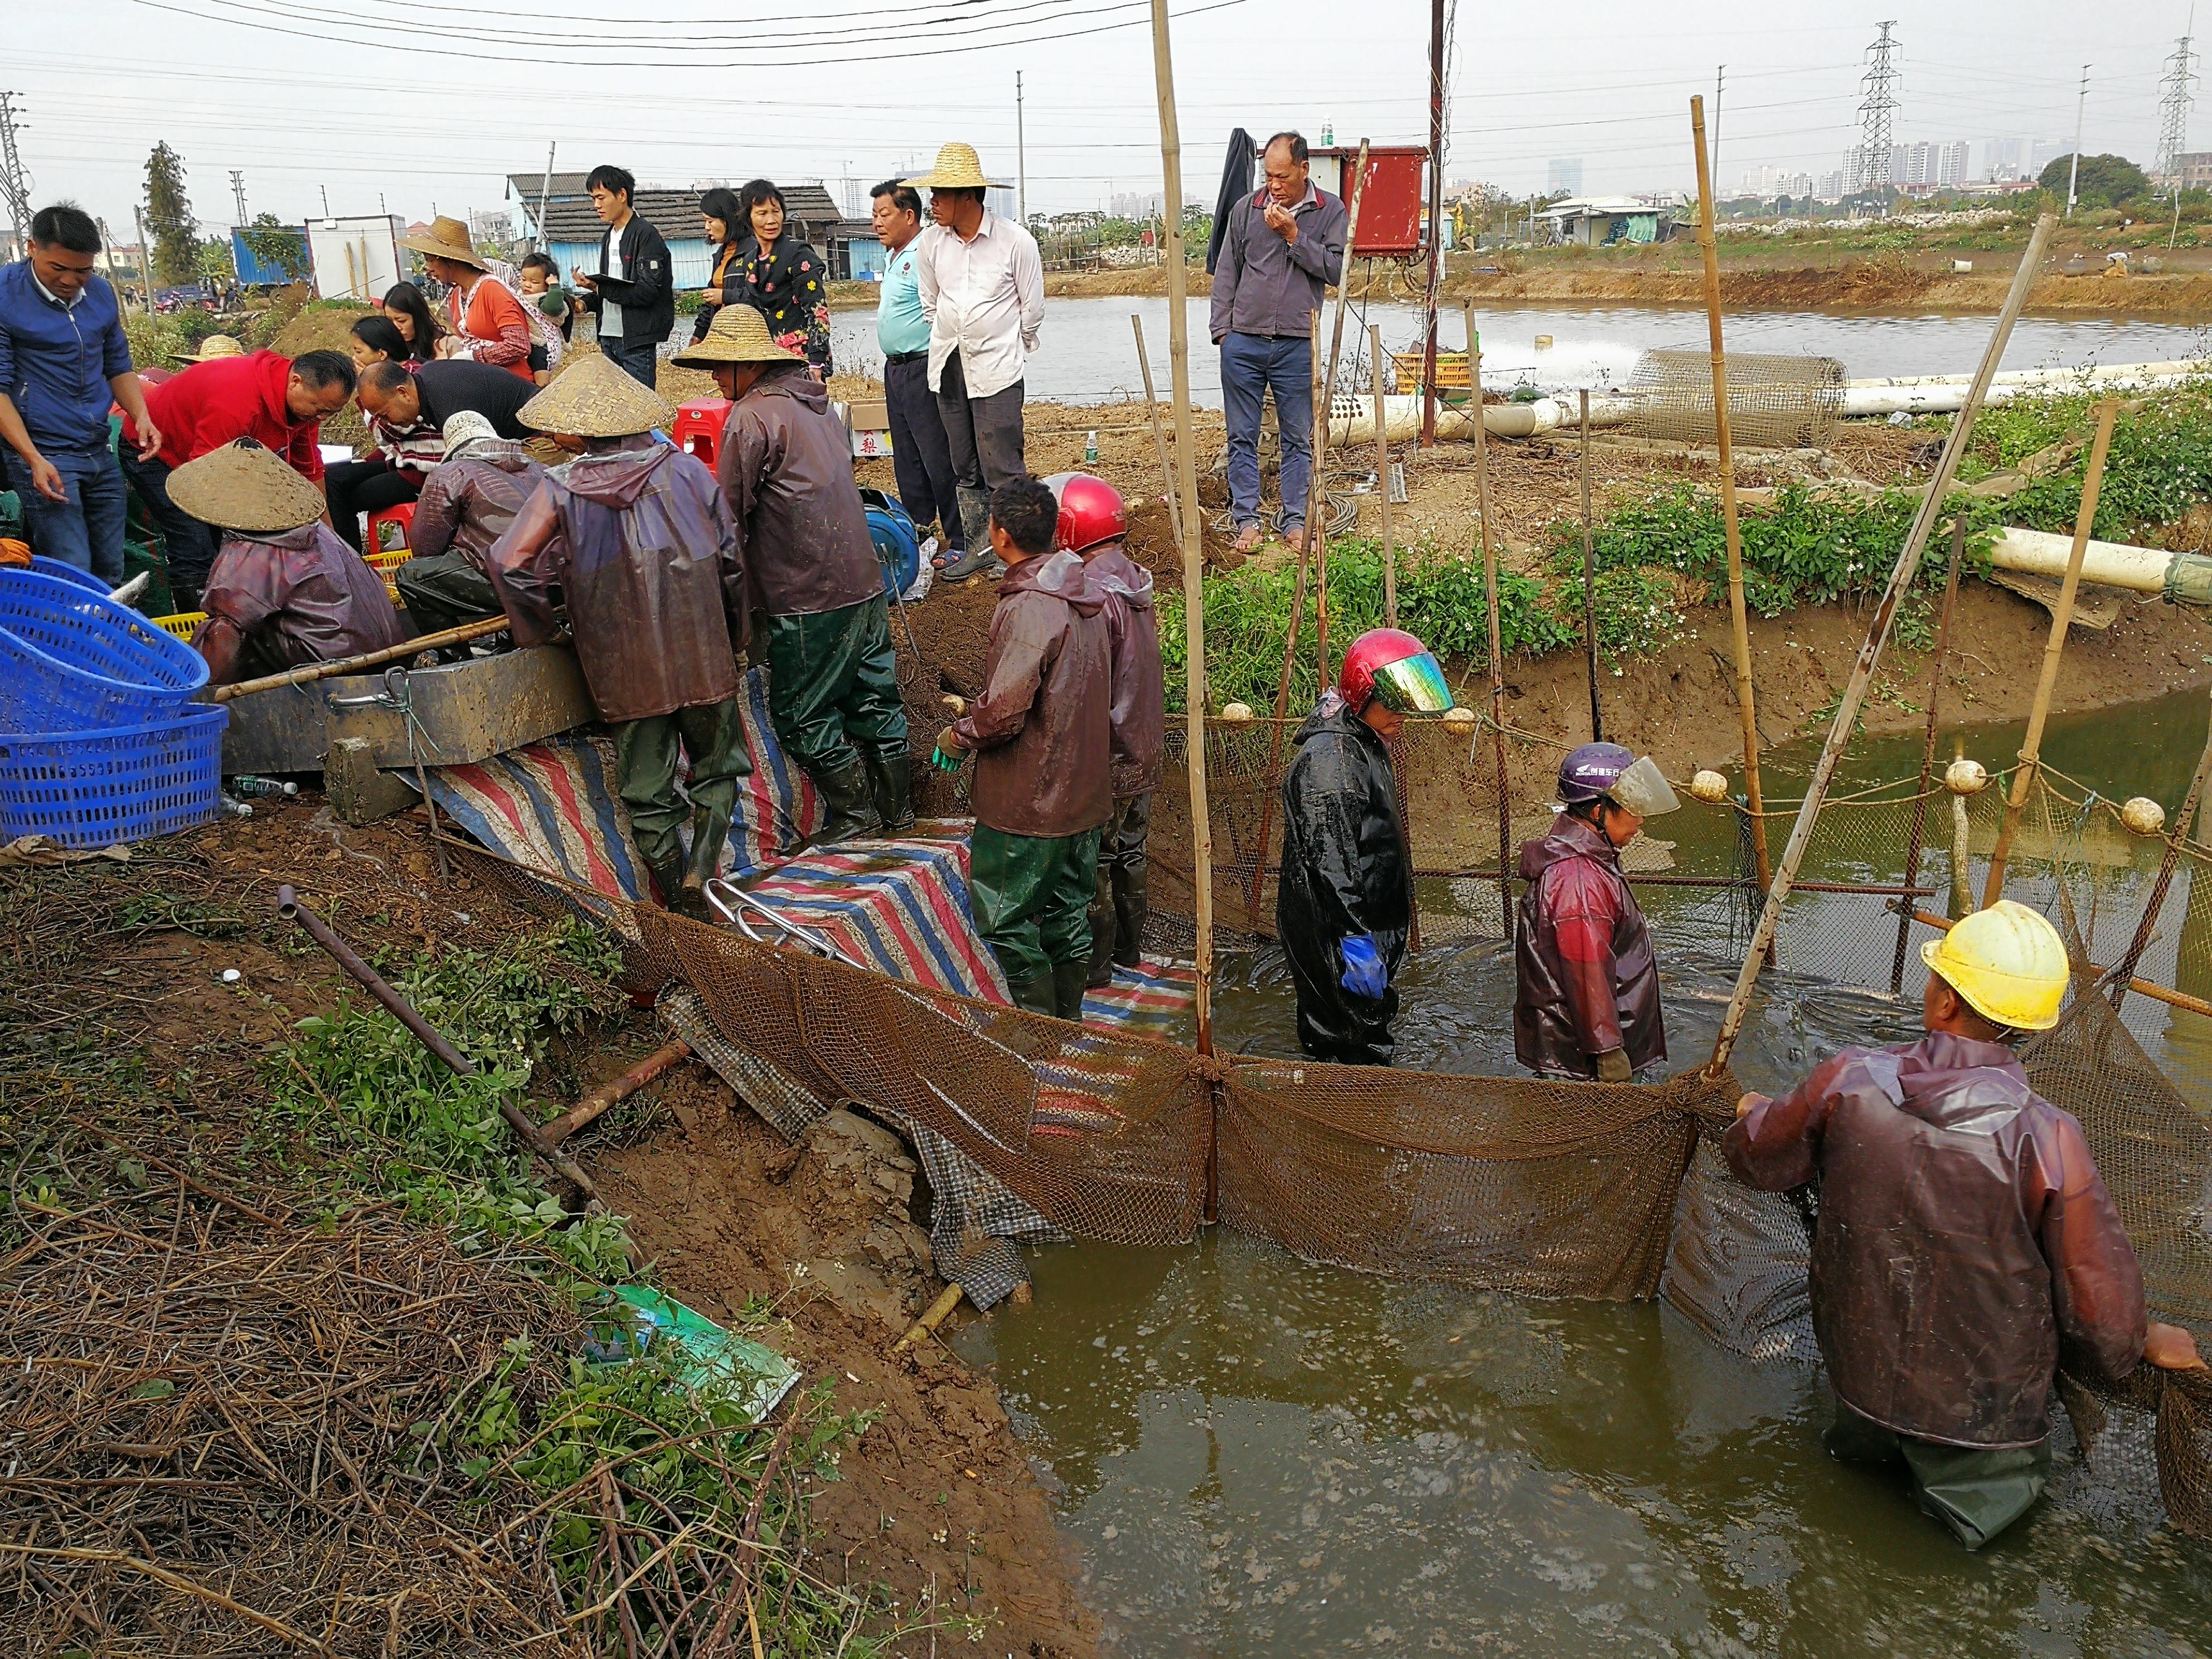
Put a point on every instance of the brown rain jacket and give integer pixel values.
(786, 467)
(1139, 694)
(1585, 979)
(304, 589)
(1966, 1244)
(467, 503)
(1041, 729)
(639, 541)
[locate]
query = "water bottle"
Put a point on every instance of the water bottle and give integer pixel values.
(246, 784)
(1090, 449)
(231, 808)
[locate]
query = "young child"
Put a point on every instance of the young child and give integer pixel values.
(551, 315)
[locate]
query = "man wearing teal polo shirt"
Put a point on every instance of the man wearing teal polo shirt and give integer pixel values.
(921, 458)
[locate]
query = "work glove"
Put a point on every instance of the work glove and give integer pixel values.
(1612, 1067)
(1364, 975)
(951, 753)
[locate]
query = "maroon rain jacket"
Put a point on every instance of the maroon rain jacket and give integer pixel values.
(305, 589)
(1966, 1244)
(1586, 981)
(786, 467)
(468, 501)
(1140, 691)
(640, 543)
(1042, 730)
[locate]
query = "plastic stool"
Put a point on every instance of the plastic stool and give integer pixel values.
(698, 430)
(401, 519)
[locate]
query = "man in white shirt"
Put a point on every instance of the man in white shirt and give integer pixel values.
(982, 288)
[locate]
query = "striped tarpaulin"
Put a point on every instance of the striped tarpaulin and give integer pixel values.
(901, 905)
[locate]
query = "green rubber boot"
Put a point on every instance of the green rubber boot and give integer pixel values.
(1068, 986)
(1033, 996)
(890, 782)
(852, 810)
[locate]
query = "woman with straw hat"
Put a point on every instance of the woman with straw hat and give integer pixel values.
(634, 532)
(786, 467)
(983, 288)
(284, 590)
(488, 322)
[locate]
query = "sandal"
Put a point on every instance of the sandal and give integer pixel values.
(1294, 538)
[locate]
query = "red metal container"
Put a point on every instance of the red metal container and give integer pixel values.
(1391, 200)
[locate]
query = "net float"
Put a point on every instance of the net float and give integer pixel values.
(1237, 713)
(1965, 777)
(1709, 787)
(2144, 816)
(1460, 718)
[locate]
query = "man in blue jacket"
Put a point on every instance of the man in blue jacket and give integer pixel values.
(63, 361)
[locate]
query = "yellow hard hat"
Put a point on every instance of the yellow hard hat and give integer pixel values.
(2007, 961)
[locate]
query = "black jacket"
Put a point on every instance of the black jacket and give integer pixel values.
(1345, 872)
(646, 290)
(453, 384)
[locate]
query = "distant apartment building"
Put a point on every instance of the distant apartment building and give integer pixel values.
(2195, 166)
(1562, 176)
(2023, 157)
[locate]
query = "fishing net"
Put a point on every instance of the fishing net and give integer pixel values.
(1774, 402)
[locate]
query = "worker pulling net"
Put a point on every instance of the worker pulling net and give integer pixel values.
(1775, 402)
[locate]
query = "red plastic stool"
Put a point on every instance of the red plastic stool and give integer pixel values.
(698, 428)
(400, 520)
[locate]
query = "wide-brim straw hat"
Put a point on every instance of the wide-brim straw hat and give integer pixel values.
(448, 239)
(216, 345)
(247, 487)
(958, 168)
(739, 334)
(464, 426)
(595, 399)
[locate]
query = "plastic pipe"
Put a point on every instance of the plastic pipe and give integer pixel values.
(1350, 424)
(2111, 564)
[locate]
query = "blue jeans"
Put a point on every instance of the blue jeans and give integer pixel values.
(639, 359)
(1251, 365)
(86, 529)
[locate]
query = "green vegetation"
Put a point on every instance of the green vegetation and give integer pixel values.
(169, 213)
(2104, 181)
(2160, 468)
(274, 243)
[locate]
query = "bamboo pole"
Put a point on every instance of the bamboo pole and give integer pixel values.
(307, 673)
(1589, 575)
(1344, 279)
(2148, 925)
(1739, 621)
(1315, 538)
(2030, 751)
(1509, 918)
(1928, 749)
(1901, 583)
(1383, 485)
(1275, 738)
(1159, 436)
(1194, 571)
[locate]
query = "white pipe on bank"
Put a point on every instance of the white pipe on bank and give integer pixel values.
(2112, 564)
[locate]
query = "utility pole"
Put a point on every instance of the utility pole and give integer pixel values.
(2173, 110)
(238, 194)
(145, 261)
(2074, 169)
(1436, 229)
(1021, 158)
(15, 183)
(1720, 80)
(326, 189)
(1876, 110)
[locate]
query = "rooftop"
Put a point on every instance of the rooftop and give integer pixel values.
(674, 213)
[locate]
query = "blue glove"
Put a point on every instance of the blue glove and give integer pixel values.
(1364, 975)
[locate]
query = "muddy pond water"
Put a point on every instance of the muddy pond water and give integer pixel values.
(1256, 1456)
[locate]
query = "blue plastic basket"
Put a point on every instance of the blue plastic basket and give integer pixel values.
(72, 660)
(69, 573)
(92, 789)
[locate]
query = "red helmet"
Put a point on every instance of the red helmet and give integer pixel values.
(1391, 665)
(1090, 511)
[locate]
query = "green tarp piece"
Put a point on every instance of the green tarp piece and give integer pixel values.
(707, 1357)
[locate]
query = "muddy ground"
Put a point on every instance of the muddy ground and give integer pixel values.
(937, 1500)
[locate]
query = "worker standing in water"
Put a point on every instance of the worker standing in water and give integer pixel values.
(1344, 903)
(1966, 1239)
(1586, 992)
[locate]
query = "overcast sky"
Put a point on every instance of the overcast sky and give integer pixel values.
(412, 104)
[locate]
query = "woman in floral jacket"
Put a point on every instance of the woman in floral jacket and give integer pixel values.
(785, 279)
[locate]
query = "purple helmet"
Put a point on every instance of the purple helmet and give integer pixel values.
(1591, 770)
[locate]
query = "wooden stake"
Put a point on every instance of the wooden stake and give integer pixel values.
(1589, 582)
(1928, 748)
(307, 673)
(1382, 485)
(1901, 583)
(1344, 279)
(1737, 617)
(1509, 918)
(1194, 572)
(2061, 619)
(1159, 436)
(1317, 536)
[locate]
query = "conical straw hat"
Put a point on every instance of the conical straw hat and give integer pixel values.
(738, 335)
(244, 487)
(958, 168)
(595, 399)
(216, 345)
(448, 239)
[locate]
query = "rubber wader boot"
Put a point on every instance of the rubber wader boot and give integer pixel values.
(1131, 905)
(1067, 979)
(852, 812)
(1033, 996)
(668, 876)
(706, 861)
(890, 782)
(1102, 943)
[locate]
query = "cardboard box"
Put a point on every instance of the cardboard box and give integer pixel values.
(873, 417)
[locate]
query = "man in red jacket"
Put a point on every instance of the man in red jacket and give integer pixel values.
(279, 403)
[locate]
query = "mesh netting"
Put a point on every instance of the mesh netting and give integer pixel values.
(1774, 402)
